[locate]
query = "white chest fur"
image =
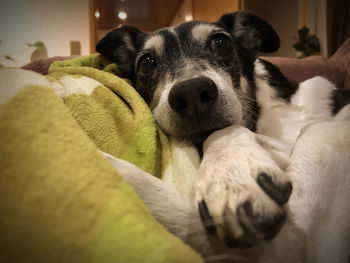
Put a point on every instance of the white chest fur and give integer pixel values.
(284, 120)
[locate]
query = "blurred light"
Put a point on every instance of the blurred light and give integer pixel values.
(122, 15)
(188, 18)
(97, 14)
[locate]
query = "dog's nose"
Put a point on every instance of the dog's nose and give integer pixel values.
(193, 99)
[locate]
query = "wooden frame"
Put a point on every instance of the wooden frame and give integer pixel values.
(93, 25)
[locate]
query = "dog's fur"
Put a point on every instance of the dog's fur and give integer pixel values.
(205, 78)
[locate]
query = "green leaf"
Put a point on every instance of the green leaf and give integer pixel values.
(307, 44)
(37, 44)
(298, 46)
(303, 32)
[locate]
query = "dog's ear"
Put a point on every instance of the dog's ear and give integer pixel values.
(121, 47)
(251, 31)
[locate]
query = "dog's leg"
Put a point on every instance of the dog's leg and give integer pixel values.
(242, 186)
(320, 169)
(179, 214)
(318, 229)
(172, 208)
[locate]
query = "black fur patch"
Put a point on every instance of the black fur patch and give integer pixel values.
(340, 98)
(114, 47)
(285, 87)
(253, 32)
(247, 64)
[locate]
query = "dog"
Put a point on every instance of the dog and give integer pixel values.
(205, 84)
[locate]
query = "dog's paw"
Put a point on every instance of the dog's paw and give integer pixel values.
(241, 190)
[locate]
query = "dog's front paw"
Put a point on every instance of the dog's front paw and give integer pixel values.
(241, 191)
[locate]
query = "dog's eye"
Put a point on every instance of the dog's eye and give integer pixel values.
(147, 64)
(221, 43)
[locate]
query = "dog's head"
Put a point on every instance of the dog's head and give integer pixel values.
(197, 77)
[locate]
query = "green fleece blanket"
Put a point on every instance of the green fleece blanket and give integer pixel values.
(60, 199)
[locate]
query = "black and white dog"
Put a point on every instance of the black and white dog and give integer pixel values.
(204, 79)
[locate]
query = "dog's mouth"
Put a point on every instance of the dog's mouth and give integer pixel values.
(199, 137)
(196, 132)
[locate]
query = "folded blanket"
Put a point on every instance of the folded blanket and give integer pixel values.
(60, 199)
(111, 112)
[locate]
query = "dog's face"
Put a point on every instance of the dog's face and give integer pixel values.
(197, 77)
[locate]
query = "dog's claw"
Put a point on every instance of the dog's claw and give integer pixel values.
(256, 228)
(248, 238)
(207, 219)
(279, 194)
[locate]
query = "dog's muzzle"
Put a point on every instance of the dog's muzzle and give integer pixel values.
(193, 99)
